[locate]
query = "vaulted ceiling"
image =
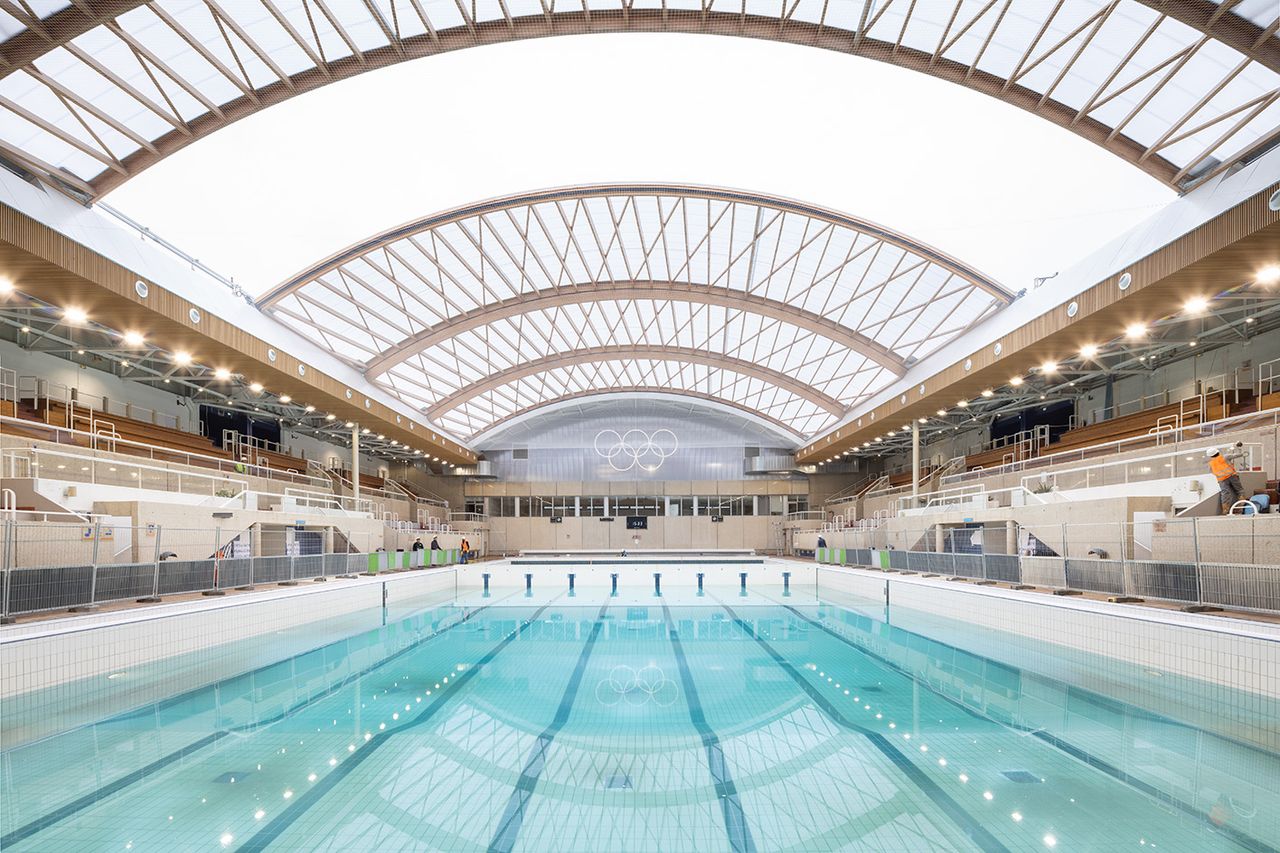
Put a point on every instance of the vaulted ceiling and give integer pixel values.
(786, 310)
(92, 93)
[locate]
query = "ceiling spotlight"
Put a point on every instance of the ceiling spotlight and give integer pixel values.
(255, 387)
(924, 420)
(942, 413)
(1015, 381)
(987, 392)
(26, 328)
(1196, 305)
(1088, 351)
(892, 433)
(964, 404)
(309, 409)
(417, 453)
(364, 431)
(222, 374)
(1269, 274)
(329, 417)
(79, 352)
(380, 436)
(124, 363)
(6, 286)
(1049, 367)
(1193, 343)
(75, 316)
(1135, 330)
(349, 424)
(134, 339)
(182, 358)
(285, 398)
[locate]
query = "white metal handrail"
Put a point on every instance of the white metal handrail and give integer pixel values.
(33, 455)
(151, 451)
(1200, 431)
(1145, 472)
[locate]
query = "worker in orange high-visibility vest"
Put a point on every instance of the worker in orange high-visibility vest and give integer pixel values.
(1229, 486)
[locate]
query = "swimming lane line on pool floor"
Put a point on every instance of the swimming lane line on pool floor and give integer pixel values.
(133, 777)
(948, 806)
(513, 815)
(735, 821)
(272, 831)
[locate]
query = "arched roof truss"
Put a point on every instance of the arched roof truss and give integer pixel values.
(93, 93)
(790, 310)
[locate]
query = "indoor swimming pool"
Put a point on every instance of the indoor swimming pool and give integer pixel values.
(736, 720)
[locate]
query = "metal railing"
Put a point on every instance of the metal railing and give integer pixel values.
(1163, 466)
(95, 446)
(1191, 433)
(1227, 561)
(42, 463)
(59, 566)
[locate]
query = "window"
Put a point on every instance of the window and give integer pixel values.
(558, 505)
(592, 506)
(727, 505)
(680, 506)
(627, 505)
(773, 505)
(473, 505)
(502, 507)
(797, 503)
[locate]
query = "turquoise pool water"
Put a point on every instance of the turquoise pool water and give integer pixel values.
(681, 723)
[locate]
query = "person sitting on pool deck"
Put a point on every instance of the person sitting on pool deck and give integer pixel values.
(1229, 486)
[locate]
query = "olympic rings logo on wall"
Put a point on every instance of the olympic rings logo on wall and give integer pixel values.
(637, 687)
(636, 448)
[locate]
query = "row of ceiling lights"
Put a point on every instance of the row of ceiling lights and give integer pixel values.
(1193, 307)
(74, 316)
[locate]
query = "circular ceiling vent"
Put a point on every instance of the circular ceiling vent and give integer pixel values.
(194, 315)
(1073, 309)
(1125, 281)
(1274, 201)
(140, 288)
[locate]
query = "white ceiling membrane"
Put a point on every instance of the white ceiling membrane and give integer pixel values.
(93, 93)
(785, 310)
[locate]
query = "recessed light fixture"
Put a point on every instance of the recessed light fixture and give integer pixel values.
(349, 424)
(255, 387)
(1049, 367)
(987, 392)
(1196, 305)
(182, 358)
(1015, 381)
(285, 398)
(222, 374)
(1135, 330)
(964, 404)
(1269, 274)
(6, 286)
(134, 339)
(1088, 351)
(330, 417)
(309, 409)
(75, 316)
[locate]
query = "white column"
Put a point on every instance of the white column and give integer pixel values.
(915, 460)
(355, 461)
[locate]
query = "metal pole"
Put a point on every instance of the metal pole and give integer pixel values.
(1195, 550)
(915, 462)
(155, 575)
(93, 575)
(355, 463)
(217, 564)
(5, 618)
